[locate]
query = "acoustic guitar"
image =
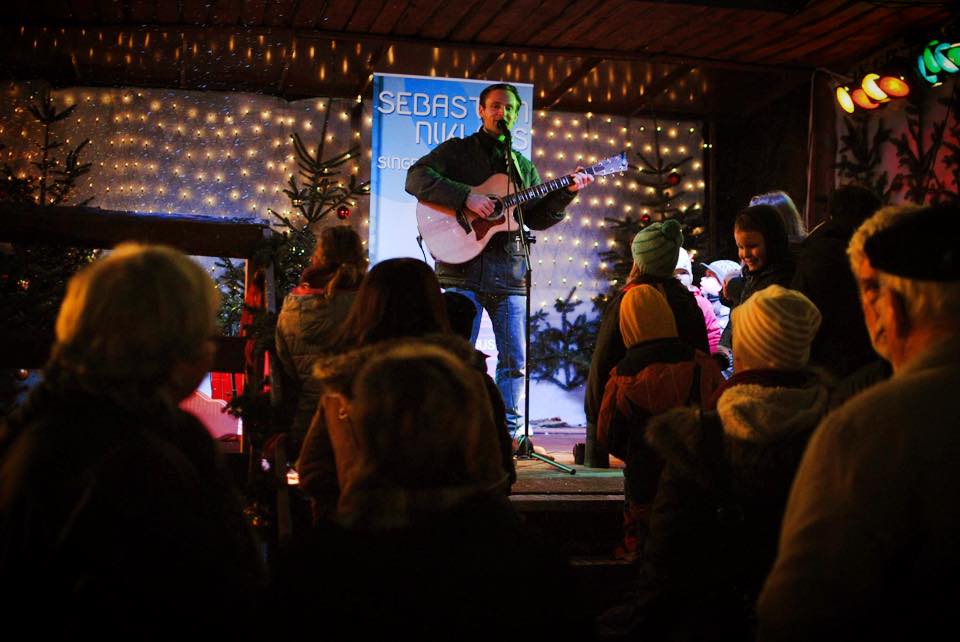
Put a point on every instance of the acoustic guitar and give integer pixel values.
(457, 237)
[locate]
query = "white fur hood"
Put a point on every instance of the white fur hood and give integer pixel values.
(763, 414)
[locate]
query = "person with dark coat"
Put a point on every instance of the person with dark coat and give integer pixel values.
(655, 251)
(868, 548)
(823, 273)
(398, 298)
(495, 279)
(310, 320)
(116, 509)
(764, 250)
(425, 539)
(658, 372)
(727, 472)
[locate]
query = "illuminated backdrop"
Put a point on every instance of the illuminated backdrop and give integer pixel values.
(230, 154)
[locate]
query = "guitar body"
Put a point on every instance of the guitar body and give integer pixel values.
(446, 238)
(450, 241)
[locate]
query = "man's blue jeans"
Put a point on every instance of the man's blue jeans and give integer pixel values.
(508, 317)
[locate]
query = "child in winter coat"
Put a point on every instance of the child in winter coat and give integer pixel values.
(658, 372)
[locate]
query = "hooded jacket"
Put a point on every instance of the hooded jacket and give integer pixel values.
(328, 463)
(610, 348)
(306, 328)
(717, 513)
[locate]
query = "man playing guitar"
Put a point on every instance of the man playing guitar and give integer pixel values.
(495, 278)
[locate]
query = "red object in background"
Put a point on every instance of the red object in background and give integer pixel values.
(861, 98)
(645, 219)
(221, 386)
(211, 414)
(674, 178)
(343, 212)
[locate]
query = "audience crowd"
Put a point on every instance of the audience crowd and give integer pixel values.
(785, 423)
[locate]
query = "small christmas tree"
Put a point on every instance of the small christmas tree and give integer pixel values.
(33, 278)
(661, 183)
(561, 355)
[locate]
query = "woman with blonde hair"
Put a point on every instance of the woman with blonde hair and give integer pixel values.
(312, 317)
(115, 504)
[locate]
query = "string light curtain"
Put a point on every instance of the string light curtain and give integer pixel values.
(230, 154)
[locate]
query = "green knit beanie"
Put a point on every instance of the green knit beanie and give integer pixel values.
(655, 248)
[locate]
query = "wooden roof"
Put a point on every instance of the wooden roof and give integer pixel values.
(609, 56)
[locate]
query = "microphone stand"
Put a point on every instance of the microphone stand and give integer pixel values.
(525, 449)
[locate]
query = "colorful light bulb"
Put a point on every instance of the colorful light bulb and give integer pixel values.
(929, 60)
(861, 99)
(871, 89)
(941, 55)
(922, 70)
(893, 86)
(943, 60)
(843, 97)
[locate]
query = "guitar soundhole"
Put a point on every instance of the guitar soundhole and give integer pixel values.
(497, 207)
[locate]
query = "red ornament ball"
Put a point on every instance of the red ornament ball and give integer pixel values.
(22, 374)
(645, 219)
(343, 212)
(674, 178)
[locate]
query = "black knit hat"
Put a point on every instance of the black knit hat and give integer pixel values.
(924, 246)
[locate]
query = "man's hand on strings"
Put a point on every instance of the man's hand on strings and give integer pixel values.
(580, 180)
(481, 205)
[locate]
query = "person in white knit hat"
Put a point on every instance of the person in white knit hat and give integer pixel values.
(777, 329)
(727, 472)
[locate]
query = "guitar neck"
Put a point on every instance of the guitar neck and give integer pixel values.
(541, 190)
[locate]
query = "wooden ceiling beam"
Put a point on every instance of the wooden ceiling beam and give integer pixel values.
(767, 95)
(660, 85)
(558, 92)
(571, 52)
(484, 65)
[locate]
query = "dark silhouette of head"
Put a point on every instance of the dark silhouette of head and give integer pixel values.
(851, 205)
(461, 312)
(397, 298)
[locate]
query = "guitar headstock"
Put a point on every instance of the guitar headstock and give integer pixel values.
(611, 165)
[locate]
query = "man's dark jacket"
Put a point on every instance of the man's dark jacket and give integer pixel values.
(842, 344)
(445, 176)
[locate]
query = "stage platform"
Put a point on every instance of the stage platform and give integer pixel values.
(579, 515)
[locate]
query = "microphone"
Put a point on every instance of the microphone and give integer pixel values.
(502, 126)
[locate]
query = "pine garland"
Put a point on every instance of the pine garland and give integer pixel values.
(561, 355)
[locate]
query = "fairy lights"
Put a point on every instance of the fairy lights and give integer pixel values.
(230, 155)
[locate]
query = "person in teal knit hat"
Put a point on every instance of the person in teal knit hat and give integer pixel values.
(655, 249)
